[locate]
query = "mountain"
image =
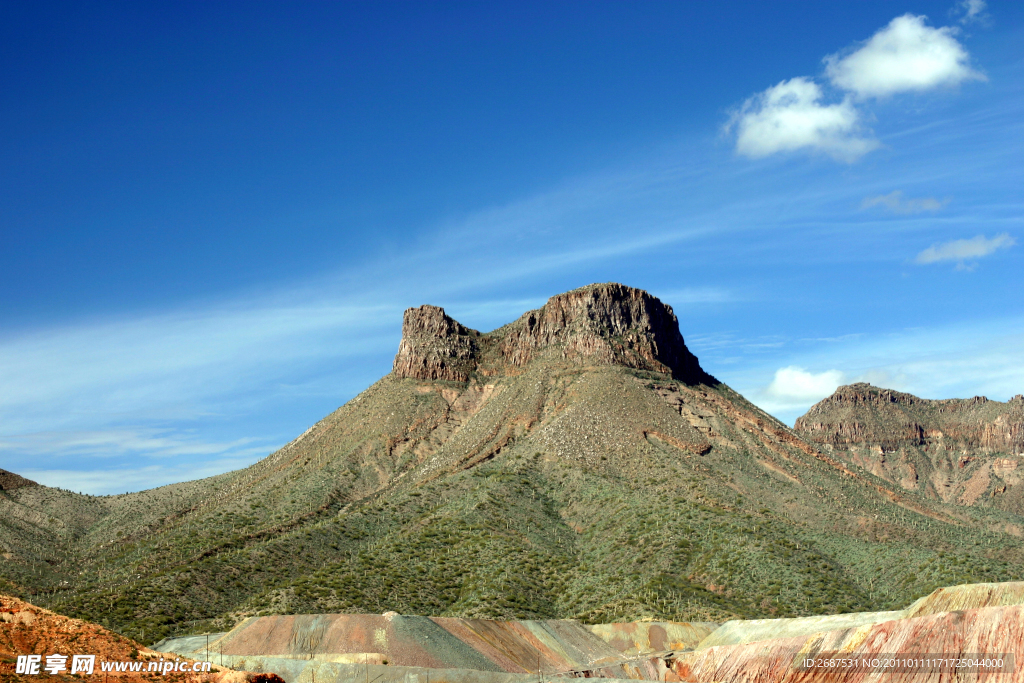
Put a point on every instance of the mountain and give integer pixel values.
(575, 463)
(961, 451)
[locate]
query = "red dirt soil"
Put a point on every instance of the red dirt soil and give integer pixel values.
(26, 629)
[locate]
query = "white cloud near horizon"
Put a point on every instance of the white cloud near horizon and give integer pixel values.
(905, 56)
(795, 385)
(791, 116)
(894, 202)
(126, 480)
(109, 443)
(963, 250)
(957, 360)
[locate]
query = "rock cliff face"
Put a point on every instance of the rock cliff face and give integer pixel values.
(605, 324)
(435, 347)
(963, 450)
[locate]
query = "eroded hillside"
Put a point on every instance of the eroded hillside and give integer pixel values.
(576, 463)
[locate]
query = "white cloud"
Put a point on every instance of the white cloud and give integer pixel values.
(904, 56)
(895, 203)
(962, 250)
(972, 11)
(181, 358)
(790, 116)
(795, 385)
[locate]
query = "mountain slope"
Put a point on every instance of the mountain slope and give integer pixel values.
(576, 463)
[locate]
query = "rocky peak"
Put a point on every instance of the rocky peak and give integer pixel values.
(434, 346)
(605, 323)
(599, 324)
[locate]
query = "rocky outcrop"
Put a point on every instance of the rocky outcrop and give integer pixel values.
(434, 346)
(10, 481)
(604, 324)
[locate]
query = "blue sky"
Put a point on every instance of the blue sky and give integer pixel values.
(213, 214)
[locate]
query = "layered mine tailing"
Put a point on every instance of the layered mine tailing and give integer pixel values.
(968, 596)
(415, 641)
(967, 619)
(337, 645)
(636, 638)
(741, 631)
(989, 630)
(956, 620)
(599, 324)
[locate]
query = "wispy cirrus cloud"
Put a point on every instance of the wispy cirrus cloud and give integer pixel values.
(174, 358)
(166, 390)
(970, 11)
(895, 202)
(696, 295)
(141, 442)
(965, 250)
(101, 482)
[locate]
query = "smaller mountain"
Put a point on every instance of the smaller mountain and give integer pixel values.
(965, 451)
